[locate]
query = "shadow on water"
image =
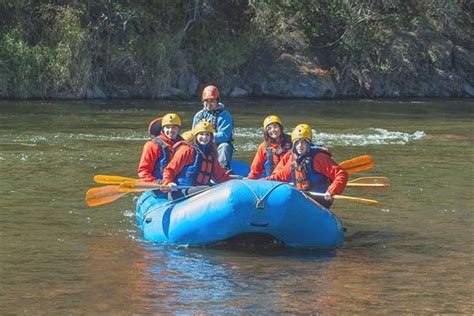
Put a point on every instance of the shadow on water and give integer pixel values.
(248, 244)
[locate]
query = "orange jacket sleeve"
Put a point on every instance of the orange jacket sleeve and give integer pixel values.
(283, 170)
(183, 156)
(150, 155)
(219, 174)
(257, 166)
(283, 161)
(324, 164)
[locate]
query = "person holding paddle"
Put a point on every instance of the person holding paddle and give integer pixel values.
(311, 168)
(157, 152)
(195, 163)
(222, 122)
(269, 153)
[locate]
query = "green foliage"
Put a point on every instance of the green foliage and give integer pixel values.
(49, 48)
(56, 63)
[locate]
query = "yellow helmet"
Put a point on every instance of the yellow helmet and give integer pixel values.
(271, 119)
(187, 135)
(203, 126)
(171, 119)
(302, 131)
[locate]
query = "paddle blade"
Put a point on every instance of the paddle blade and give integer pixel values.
(357, 200)
(107, 179)
(103, 195)
(356, 161)
(369, 182)
(358, 164)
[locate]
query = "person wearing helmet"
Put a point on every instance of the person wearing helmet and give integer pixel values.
(311, 168)
(194, 163)
(221, 120)
(157, 152)
(269, 153)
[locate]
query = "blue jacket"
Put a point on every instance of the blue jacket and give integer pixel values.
(221, 120)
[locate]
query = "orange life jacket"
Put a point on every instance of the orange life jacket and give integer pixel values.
(303, 174)
(199, 172)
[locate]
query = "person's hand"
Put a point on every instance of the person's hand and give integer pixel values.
(173, 186)
(327, 196)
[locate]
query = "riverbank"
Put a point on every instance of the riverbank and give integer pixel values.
(310, 50)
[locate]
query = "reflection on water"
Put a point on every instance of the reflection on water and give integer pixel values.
(413, 255)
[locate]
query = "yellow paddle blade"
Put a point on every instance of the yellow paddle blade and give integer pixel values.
(358, 164)
(103, 195)
(357, 200)
(107, 179)
(369, 182)
(140, 186)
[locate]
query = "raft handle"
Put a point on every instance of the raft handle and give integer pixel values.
(258, 225)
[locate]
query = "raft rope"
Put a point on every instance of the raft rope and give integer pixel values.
(259, 203)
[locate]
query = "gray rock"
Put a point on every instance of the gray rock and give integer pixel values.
(463, 59)
(293, 76)
(66, 96)
(238, 93)
(440, 53)
(468, 89)
(95, 93)
(173, 93)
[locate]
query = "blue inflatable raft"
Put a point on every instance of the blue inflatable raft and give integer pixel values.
(239, 207)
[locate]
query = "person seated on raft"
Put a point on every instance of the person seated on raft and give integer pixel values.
(157, 152)
(269, 153)
(221, 120)
(194, 163)
(310, 167)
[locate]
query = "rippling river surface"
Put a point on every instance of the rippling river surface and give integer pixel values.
(412, 255)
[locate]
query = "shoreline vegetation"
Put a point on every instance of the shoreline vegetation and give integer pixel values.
(286, 49)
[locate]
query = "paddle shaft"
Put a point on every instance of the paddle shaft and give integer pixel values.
(141, 186)
(347, 198)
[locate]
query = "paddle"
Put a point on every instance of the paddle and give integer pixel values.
(141, 186)
(347, 198)
(103, 195)
(107, 179)
(358, 164)
(369, 182)
(109, 193)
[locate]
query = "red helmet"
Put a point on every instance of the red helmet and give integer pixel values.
(210, 92)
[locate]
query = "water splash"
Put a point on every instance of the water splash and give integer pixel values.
(247, 139)
(372, 136)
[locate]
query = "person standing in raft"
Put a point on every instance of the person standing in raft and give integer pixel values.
(157, 152)
(311, 167)
(221, 120)
(194, 163)
(269, 153)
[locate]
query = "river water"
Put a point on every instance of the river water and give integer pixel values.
(412, 255)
